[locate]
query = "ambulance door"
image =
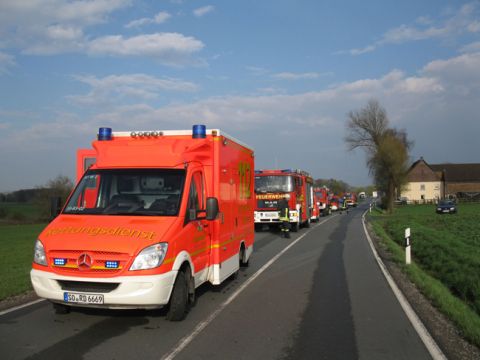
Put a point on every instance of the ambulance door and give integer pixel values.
(197, 229)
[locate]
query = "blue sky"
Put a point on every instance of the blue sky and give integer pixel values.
(279, 75)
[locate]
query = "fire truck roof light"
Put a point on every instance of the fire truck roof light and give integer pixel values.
(258, 171)
(287, 170)
(199, 132)
(104, 133)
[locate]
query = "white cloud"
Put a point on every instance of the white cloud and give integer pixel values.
(473, 47)
(115, 88)
(168, 48)
(296, 76)
(204, 10)
(160, 18)
(51, 27)
(462, 21)
(6, 62)
(365, 50)
(474, 27)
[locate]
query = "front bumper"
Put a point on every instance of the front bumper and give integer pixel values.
(133, 292)
(266, 217)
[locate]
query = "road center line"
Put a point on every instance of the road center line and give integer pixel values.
(432, 347)
(183, 343)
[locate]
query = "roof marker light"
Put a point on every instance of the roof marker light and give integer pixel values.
(104, 133)
(199, 132)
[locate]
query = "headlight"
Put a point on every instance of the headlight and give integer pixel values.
(150, 257)
(39, 254)
(439, 209)
(287, 196)
(451, 209)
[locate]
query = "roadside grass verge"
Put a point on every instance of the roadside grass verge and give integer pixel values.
(446, 259)
(16, 254)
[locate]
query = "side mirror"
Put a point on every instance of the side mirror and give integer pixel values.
(212, 208)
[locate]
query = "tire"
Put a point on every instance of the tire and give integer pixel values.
(242, 257)
(258, 227)
(295, 226)
(61, 309)
(179, 302)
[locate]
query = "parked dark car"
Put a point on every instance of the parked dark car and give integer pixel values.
(446, 207)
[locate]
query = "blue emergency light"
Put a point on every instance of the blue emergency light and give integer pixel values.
(199, 132)
(104, 133)
(59, 262)
(111, 264)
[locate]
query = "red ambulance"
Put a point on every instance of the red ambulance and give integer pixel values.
(155, 214)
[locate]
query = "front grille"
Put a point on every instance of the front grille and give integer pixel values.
(99, 259)
(84, 286)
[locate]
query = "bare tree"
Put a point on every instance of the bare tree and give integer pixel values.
(386, 148)
(366, 126)
(61, 186)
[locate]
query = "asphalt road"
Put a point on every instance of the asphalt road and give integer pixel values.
(318, 295)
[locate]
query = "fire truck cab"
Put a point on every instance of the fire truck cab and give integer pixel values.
(154, 215)
(321, 200)
(273, 185)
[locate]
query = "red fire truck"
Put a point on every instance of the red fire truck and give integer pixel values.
(350, 199)
(321, 200)
(295, 186)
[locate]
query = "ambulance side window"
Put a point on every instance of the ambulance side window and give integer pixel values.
(195, 195)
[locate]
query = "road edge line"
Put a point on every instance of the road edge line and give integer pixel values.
(18, 307)
(183, 343)
(427, 339)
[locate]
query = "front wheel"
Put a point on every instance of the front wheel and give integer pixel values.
(178, 305)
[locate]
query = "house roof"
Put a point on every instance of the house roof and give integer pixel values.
(458, 172)
(420, 171)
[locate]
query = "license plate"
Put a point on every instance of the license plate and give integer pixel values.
(446, 210)
(271, 215)
(78, 298)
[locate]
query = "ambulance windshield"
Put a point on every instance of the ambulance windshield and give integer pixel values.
(273, 183)
(156, 192)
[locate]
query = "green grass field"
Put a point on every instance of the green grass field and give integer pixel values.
(446, 258)
(19, 212)
(16, 254)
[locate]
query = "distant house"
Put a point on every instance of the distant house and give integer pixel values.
(430, 182)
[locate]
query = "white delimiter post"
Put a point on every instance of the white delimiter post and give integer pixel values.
(408, 256)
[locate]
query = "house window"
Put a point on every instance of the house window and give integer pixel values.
(422, 187)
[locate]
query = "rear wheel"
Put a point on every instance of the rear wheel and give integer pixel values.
(243, 254)
(179, 304)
